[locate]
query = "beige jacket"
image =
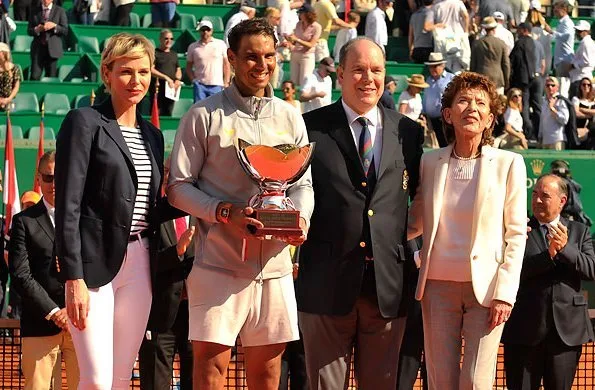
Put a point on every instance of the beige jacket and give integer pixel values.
(205, 171)
(499, 224)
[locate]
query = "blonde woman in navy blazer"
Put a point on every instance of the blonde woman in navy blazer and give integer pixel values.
(109, 168)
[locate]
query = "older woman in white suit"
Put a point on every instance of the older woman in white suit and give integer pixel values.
(471, 208)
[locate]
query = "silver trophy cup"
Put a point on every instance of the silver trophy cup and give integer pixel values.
(275, 169)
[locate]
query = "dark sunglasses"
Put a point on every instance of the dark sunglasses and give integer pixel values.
(550, 85)
(586, 85)
(286, 89)
(47, 178)
(515, 96)
(168, 39)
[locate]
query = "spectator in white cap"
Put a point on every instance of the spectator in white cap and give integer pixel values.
(453, 39)
(207, 65)
(584, 57)
(432, 99)
(564, 48)
(247, 11)
(318, 86)
(502, 31)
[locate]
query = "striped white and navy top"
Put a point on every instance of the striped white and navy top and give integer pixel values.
(142, 165)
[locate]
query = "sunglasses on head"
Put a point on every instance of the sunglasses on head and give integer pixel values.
(47, 178)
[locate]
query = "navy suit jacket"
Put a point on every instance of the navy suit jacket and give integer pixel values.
(171, 273)
(54, 36)
(96, 186)
(30, 257)
(549, 296)
(332, 259)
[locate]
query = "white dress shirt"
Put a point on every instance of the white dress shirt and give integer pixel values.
(51, 212)
(584, 60)
(376, 27)
(375, 123)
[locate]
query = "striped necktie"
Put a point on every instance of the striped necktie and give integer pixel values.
(366, 149)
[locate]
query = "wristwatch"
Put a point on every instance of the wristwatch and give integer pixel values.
(224, 212)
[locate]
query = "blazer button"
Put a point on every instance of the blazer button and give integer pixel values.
(128, 199)
(370, 212)
(364, 184)
(362, 244)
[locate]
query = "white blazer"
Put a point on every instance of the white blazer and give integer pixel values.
(499, 225)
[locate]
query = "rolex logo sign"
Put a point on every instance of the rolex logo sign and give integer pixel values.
(537, 167)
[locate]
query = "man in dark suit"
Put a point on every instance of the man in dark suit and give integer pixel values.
(522, 71)
(44, 322)
(47, 26)
(352, 275)
(549, 323)
(489, 56)
(167, 329)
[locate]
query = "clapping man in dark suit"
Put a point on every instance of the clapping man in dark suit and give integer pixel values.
(44, 322)
(167, 329)
(47, 25)
(352, 275)
(549, 323)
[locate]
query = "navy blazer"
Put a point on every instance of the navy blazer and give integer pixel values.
(96, 186)
(30, 257)
(332, 259)
(54, 36)
(549, 295)
(171, 273)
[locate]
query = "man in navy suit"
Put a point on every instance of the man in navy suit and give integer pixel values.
(549, 323)
(352, 277)
(44, 322)
(47, 25)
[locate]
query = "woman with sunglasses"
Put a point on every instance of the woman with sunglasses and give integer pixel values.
(513, 136)
(167, 70)
(584, 105)
(109, 171)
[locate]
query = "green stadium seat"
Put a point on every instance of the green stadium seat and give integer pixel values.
(64, 71)
(22, 43)
(56, 103)
(187, 21)
(17, 132)
(169, 136)
(218, 25)
(48, 133)
(87, 44)
(134, 20)
(147, 20)
(181, 107)
(46, 79)
(82, 101)
(26, 101)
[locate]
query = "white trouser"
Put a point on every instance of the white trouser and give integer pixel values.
(118, 313)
